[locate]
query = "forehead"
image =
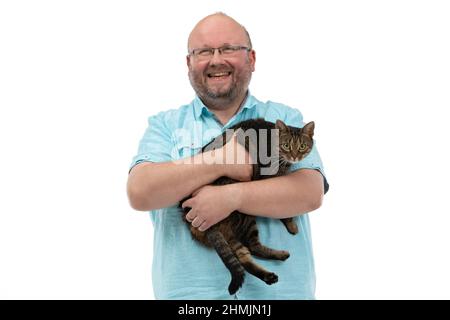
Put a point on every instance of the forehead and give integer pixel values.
(215, 32)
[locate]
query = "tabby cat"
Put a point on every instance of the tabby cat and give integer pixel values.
(236, 238)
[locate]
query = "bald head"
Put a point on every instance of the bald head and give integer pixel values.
(216, 30)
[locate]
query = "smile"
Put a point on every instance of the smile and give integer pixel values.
(218, 75)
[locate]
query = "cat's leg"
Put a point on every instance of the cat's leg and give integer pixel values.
(290, 224)
(256, 248)
(245, 258)
(226, 253)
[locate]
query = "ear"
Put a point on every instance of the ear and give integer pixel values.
(309, 129)
(281, 125)
(188, 61)
(252, 58)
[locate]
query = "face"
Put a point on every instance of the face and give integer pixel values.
(294, 143)
(220, 79)
(295, 147)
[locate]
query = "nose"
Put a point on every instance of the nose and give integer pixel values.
(216, 58)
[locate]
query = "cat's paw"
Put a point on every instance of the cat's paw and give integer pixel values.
(236, 283)
(270, 278)
(292, 228)
(283, 255)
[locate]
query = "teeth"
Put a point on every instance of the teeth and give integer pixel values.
(219, 74)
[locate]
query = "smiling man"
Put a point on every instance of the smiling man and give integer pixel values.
(168, 168)
(221, 76)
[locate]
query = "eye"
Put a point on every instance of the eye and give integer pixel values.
(303, 146)
(227, 50)
(285, 146)
(204, 52)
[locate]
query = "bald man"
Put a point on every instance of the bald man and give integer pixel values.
(168, 168)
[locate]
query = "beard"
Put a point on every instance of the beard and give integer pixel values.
(221, 95)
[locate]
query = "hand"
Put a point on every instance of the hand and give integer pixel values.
(211, 204)
(238, 161)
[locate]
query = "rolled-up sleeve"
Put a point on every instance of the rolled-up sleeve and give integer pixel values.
(156, 145)
(312, 160)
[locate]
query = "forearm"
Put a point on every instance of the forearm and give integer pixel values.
(159, 185)
(281, 197)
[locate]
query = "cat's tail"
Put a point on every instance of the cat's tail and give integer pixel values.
(223, 249)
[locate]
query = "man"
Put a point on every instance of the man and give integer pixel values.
(168, 168)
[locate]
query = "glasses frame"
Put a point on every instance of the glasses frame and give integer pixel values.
(236, 48)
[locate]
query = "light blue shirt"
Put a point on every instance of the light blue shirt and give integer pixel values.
(185, 269)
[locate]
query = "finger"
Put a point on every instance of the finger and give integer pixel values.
(187, 203)
(204, 226)
(197, 222)
(190, 216)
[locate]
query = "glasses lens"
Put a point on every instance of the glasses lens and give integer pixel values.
(205, 52)
(228, 50)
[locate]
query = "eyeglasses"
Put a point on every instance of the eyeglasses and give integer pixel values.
(207, 53)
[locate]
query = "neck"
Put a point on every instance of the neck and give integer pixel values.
(225, 111)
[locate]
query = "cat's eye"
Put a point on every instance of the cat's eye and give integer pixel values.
(285, 146)
(303, 146)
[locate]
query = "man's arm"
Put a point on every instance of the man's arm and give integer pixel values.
(157, 185)
(282, 197)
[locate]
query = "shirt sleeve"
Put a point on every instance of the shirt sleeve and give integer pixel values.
(156, 145)
(312, 160)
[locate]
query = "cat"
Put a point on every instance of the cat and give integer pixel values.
(236, 238)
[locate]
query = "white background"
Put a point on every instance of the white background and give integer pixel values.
(78, 80)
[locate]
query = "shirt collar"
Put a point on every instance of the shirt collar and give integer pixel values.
(200, 108)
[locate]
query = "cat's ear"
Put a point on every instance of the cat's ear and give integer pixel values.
(309, 129)
(281, 125)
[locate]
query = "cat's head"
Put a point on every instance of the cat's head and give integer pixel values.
(295, 143)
